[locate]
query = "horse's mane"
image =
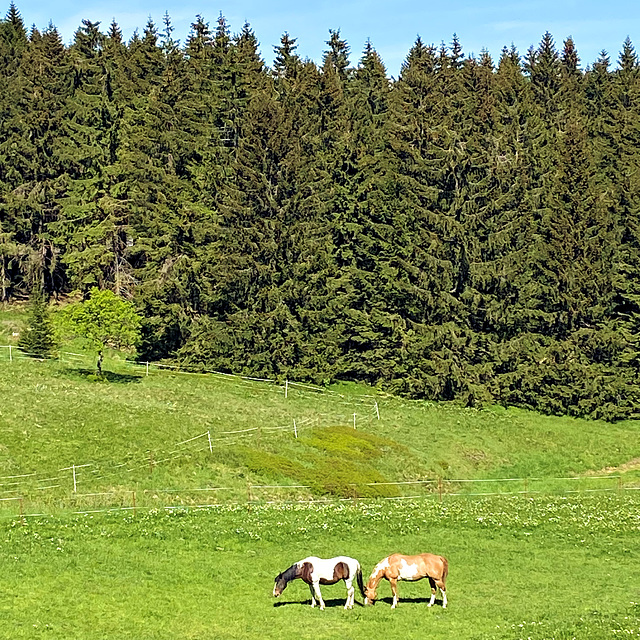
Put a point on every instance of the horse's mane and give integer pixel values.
(291, 573)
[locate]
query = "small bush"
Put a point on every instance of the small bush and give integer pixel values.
(324, 475)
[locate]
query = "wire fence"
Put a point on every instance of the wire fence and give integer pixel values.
(269, 385)
(442, 489)
(362, 409)
(65, 489)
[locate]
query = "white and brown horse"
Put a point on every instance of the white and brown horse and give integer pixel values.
(316, 571)
(398, 567)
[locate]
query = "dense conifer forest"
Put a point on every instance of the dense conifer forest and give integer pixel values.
(469, 230)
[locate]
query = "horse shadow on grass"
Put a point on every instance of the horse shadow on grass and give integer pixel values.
(402, 601)
(328, 603)
(90, 375)
(339, 602)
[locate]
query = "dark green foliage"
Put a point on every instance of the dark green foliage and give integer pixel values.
(37, 338)
(469, 231)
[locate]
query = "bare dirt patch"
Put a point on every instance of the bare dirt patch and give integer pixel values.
(631, 465)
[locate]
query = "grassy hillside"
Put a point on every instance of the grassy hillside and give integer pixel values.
(150, 434)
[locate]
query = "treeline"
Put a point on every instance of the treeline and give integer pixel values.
(468, 231)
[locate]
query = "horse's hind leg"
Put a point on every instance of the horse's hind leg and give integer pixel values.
(443, 591)
(432, 582)
(313, 597)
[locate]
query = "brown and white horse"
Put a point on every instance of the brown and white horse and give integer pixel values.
(398, 567)
(316, 571)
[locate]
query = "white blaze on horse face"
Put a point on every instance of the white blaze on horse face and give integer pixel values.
(407, 571)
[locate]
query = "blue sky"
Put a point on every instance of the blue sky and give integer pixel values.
(391, 26)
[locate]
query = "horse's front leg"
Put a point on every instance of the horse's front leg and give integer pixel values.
(316, 588)
(351, 594)
(313, 596)
(394, 590)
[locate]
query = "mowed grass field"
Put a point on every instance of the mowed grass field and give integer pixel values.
(554, 556)
(519, 568)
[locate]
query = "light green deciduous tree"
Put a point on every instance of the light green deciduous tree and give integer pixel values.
(104, 319)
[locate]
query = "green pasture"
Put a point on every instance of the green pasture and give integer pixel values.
(520, 568)
(148, 494)
(138, 439)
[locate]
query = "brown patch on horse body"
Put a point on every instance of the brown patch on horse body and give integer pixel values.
(305, 572)
(340, 572)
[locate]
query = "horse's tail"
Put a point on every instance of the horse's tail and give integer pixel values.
(445, 568)
(359, 579)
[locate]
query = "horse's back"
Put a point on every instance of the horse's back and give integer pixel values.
(345, 559)
(329, 570)
(422, 564)
(438, 564)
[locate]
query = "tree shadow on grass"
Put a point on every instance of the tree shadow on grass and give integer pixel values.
(330, 603)
(90, 375)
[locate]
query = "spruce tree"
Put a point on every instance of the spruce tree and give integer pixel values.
(14, 238)
(89, 226)
(37, 337)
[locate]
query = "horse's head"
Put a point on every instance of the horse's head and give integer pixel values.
(370, 595)
(280, 584)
